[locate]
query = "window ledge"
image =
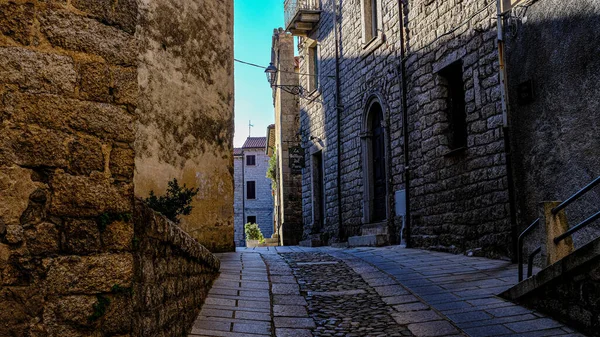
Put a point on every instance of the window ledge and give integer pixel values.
(373, 44)
(456, 152)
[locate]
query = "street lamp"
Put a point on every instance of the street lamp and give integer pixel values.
(272, 72)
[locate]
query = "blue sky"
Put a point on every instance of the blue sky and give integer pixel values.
(254, 22)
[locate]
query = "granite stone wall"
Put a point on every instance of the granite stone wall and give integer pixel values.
(459, 200)
(67, 114)
(185, 124)
(68, 252)
(555, 132)
(173, 274)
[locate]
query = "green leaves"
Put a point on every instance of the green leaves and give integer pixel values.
(175, 202)
(253, 232)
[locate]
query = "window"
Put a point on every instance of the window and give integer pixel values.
(452, 80)
(371, 21)
(251, 160)
(251, 190)
(251, 219)
(313, 67)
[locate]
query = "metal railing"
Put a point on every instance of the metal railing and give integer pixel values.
(561, 237)
(531, 256)
(569, 201)
(292, 7)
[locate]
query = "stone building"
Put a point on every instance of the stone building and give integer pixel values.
(186, 111)
(79, 117)
(253, 201)
(283, 141)
(397, 90)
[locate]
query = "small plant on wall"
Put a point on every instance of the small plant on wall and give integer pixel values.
(253, 232)
(272, 169)
(177, 201)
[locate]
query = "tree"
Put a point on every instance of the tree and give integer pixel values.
(175, 202)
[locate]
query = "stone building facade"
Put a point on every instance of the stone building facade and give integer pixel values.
(392, 78)
(253, 192)
(554, 133)
(75, 247)
(285, 139)
(186, 110)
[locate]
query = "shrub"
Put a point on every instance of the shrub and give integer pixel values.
(272, 169)
(253, 232)
(176, 202)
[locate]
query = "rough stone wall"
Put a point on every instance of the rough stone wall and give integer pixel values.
(287, 126)
(459, 202)
(185, 126)
(573, 297)
(68, 90)
(238, 202)
(364, 71)
(262, 206)
(173, 274)
(555, 137)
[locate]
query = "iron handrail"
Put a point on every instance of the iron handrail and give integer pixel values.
(530, 261)
(576, 228)
(520, 246)
(575, 196)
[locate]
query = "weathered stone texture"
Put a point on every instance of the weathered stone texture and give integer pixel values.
(185, 112)
(460, 201)
(70, 254)
(555, 136)
(173, 272)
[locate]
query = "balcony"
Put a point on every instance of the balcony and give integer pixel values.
(301, 16)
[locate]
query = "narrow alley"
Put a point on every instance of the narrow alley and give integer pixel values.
(391, 291)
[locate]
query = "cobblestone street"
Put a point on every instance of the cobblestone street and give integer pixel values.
(298, 292)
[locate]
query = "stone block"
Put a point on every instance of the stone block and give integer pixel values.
(37, 72)
(85, 156)
(16, 21)
(68, 115)
(118, 236)
(368, 241)
(125, 84)
(94, 82)
(89, 274)
(122, 15)
(88, 196)
(73, 309)
(42, 239)
(81, 237)
(73, 32)
(31, 146)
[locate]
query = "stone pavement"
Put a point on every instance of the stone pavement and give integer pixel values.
(391, 291)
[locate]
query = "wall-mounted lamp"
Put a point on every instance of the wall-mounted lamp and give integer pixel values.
(272, 72)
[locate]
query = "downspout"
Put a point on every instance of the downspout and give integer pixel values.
(506, 131)
(338, 108)
(404, 81)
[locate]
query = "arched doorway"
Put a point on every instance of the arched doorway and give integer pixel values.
(378, 163)
(375, 206)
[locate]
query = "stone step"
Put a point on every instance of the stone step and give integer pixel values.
(368, 241)
(310, 243)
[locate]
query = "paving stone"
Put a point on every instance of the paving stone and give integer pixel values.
(290, 311)
(469, 316)
(416, 317)
(536, 324)
(285, 288)
(293, 322)
(392, 300)
(432, 329)
(252, 328)
(508, 311)
(290, 300)
(209, 324)
(411, 307)
(253, 315)
(217, 313)
(489, 330)
(284, 332)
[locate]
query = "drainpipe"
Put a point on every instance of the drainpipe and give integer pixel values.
(243, 196)
(506, 130)
(404, 81)
(338, 108)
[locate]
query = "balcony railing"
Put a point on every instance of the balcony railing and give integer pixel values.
(301, 15)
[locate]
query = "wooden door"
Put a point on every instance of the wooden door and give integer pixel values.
(378, 156)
